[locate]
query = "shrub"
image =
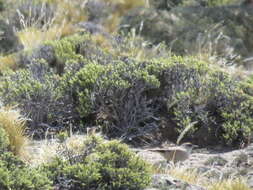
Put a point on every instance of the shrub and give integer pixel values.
(109, 166)
(4, 141)
(67, 48)
(36, 92)
(220, 2)
(115, 94)
(183, 29)
(2, 5)
(14, 175)
(130, 99)
(8, 40)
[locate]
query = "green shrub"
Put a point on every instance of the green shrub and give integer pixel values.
(110, 166)
(36, 92)
(219, 106)
(4, 141)
(8, 40)
(15, 175)
(127, 98)
(67, 49)
(2, 5)
(116, 92)
(220, 2)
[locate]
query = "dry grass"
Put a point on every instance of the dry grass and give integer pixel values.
(44, 151)
(189, 176)
(7, 62)
(33, 37)
(230, 184)
(67, 14)
(14, 125)
(192, 177)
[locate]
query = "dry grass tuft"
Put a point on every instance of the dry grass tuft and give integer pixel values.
(230, 184)
(33, 37)
(14, 125)
(192, 177)
(67, 14)
(44, 151)
(189, 176)
(7, 62)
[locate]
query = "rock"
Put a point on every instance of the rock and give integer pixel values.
(166, 182)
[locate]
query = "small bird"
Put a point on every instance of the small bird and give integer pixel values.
(175, 154)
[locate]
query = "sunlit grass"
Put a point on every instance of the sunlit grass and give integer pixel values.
(67, 14)
(230, 184)
(14, 125)
(7, 62)
(44, 151)
(191, 176)
(33, 37)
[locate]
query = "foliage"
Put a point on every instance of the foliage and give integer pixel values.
(220, 2)
(4, 141)
(36, 92)
(8, 40)
(127, 98)
(2, 5)
(14, 175)
(109, 166)
(66, 48)
(116, 94)
(193, 30)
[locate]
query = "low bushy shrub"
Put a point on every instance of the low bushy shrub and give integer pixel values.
(4, 141)
(110, 166)
(15, 175)
(8, 40)
(36, 92)
(130, 98)
(67, 49)
(115, 95)
(2, 5)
